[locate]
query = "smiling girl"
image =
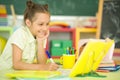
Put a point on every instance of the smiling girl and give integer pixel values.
(28, 42)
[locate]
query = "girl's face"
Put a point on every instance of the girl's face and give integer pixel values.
(39, 25)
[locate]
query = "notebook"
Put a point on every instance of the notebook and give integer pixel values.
(33, 74)
(91, 56)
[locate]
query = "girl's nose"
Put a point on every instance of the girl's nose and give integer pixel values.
(45, 27)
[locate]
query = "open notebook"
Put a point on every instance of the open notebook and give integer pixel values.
(91, 56)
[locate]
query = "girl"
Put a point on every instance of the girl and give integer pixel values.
(28, 42)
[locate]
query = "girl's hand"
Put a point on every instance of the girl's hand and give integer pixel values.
(52, 66)
(48, 67)
(42, 35)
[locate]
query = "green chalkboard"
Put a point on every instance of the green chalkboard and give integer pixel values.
(111, 21)
(58, 7)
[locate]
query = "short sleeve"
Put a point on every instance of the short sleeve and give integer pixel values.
(19, 39)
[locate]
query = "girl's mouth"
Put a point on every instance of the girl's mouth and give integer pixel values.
(42, 33)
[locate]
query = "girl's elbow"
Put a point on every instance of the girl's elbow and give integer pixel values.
(16, 66)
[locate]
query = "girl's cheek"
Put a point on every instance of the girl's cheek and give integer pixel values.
(45, 32)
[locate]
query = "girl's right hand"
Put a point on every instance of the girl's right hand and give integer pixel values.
(52, 66)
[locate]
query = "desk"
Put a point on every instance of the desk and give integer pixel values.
(110, 76)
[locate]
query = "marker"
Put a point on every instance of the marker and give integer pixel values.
(67, 51)
(48, 54)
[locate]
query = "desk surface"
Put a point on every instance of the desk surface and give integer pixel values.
(110, 76)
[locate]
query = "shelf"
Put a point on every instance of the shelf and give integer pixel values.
(61, 34)
(6, 31)
(62, 29)
(70, 30)
(83, 30)
(75, 33)
(9, 29)
(86, 30)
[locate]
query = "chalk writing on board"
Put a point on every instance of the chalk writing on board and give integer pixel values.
(111, 21)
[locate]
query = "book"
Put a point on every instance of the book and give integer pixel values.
(114, 68)
(3, 16)
(3, 9)
(107, 65)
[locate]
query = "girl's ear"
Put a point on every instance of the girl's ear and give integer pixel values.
(28, 22)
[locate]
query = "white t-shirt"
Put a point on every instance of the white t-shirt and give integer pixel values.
(23, 38)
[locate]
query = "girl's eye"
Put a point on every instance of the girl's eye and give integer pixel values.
(47, 24)
(40, 24)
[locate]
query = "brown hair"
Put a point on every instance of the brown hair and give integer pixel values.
(33, 8)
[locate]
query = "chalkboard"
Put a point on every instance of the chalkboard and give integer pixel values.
(58, 7)
(110, 26)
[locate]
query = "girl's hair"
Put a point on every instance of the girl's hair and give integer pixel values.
(33, 8)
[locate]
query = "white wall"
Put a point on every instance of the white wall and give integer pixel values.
(73, 21)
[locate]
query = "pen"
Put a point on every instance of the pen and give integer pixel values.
(48, 54)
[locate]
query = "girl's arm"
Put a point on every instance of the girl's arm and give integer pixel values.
(41, 55)
(20, 65)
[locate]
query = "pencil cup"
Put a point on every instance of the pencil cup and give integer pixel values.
(67, 61)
